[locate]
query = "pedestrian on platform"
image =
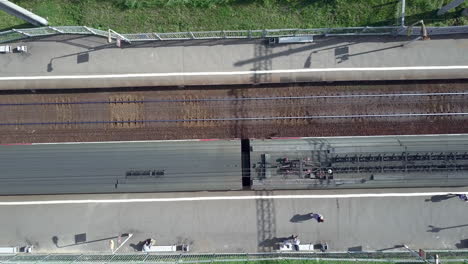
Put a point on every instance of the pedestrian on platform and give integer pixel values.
(295, 242)
(317, 217)
(462, 196)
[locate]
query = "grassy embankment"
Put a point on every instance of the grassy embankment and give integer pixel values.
(318, 262)
(128, 16)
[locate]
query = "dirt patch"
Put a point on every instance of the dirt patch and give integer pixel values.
(126, 110)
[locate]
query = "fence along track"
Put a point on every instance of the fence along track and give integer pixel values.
(18, 34)
(372, 256)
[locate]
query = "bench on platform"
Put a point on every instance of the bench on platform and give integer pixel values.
(172, 248)
(9, 250)
(306, 247)
(22, 49)
(292, 247)
(291, 40)
(5, 49)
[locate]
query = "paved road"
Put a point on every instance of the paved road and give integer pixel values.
(373, 223)
(190, 62)
(120, 167)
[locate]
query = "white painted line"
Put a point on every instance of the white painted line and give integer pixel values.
(237, 139)
(114, 142)
(176, 74)
(384, 136)
(224, 198)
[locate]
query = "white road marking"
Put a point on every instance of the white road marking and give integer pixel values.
(237, 139)
(175, 74)
(113, 142)
(224, 198)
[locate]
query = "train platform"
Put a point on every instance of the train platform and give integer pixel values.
(75, 61)
(237, 222)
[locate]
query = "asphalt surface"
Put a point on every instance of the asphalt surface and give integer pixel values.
(190, 62)
(216, 165)
(356, 223)
(120, 167)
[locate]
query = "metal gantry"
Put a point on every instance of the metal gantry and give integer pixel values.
(404, 162)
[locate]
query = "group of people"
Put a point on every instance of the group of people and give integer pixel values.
(147, 244)
(294, 242)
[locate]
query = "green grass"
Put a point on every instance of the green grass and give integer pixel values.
(303, 262)
(318, 262)
(129, 16)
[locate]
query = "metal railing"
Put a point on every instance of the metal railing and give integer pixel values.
(388, 257)
(19, 34)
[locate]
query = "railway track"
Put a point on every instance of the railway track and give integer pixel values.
(235, 112)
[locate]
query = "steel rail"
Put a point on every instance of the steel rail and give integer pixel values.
(239, 99)
(239, 119)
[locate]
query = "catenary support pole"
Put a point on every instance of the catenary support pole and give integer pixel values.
(22, 13)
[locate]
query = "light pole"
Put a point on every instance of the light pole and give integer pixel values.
(403, 7)
(420, 255)
(119, 241)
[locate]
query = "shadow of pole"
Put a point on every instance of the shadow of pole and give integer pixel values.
(55, 240)
(435, 229)
(263, 63)
(19, 26)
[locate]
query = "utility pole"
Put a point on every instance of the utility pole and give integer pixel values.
(22, 13)
(449, 6)
(403, 12)
(424, 34)
(421, 255)
(119, 242)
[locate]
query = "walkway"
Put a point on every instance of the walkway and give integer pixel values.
(71, 61)
(232, 222)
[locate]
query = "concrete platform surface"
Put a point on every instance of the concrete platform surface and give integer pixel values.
(233, 222)
(71, 61)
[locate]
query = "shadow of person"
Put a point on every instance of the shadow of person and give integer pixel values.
(138, 247)
(300, 218)
(439, 198)
(55, 240)
(271, 242)
(463, 244)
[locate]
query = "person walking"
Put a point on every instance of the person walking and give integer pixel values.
(462, 196)
(317, 217)
(295, 242)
